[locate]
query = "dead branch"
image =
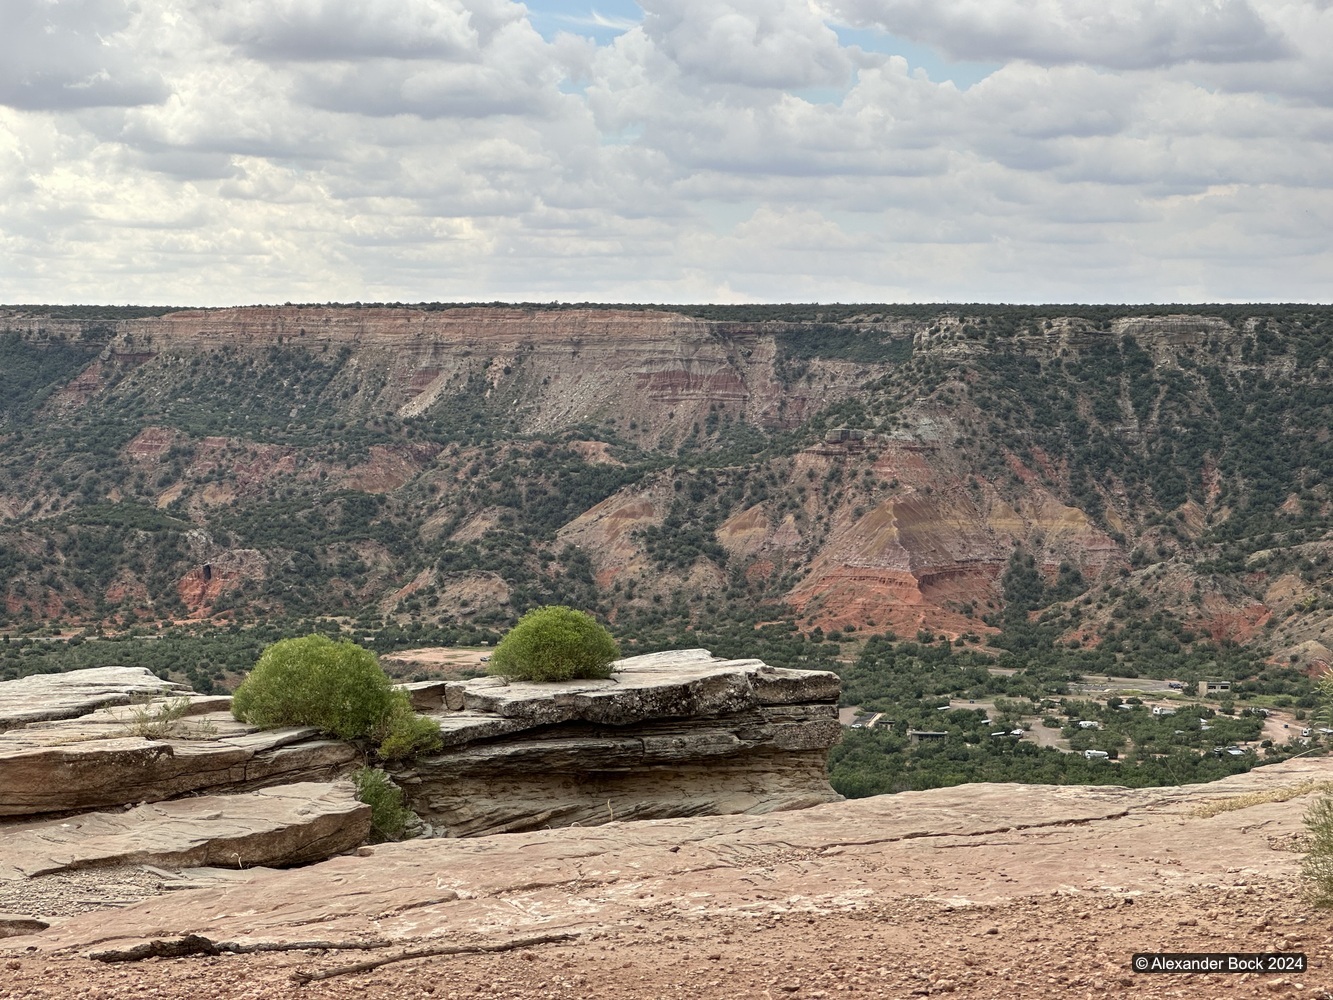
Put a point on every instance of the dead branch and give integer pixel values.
(195, 944)
(460, 949)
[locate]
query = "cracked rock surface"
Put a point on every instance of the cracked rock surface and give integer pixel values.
(288, 825)
(97, 761)
(679, 733)
(43, 697)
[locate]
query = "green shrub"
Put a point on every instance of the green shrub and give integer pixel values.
(389, 818)
(406, 734)
(338, 687)
(555, 643)
(1317, 866)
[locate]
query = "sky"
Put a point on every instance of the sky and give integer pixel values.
(221, 152)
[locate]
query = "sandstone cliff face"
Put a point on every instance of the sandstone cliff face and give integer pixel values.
(564, 367)
(906, 523)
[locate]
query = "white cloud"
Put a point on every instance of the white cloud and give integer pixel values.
(72, 54)
(1124, 34)
(332, 29)
(754, 43)
(248, 151)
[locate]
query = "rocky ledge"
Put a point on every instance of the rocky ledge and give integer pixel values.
(681, 733)
(670, 734)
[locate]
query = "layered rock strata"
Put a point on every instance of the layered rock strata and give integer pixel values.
(63, 770)
(123, 754)
(669, 734)
(289, 825)
(46, 697)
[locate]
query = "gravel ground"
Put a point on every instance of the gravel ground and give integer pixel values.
(64, 894)
(1060, 946)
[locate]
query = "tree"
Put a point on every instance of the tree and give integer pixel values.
(555, 643)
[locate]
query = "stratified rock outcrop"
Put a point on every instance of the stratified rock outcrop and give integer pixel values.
(288, 825)
(67, 768)
(47, 697)
(669, 734)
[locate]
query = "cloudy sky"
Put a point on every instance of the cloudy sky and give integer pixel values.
(214, 152)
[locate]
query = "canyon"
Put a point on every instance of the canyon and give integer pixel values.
(857, 469)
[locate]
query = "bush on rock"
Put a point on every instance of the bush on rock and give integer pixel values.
(338, 687)
(555, 643)
(389, 818)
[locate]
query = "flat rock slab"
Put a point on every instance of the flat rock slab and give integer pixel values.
(200, 717)
(68, 768)
(963, 846)
(43, 697)
(678, 733)
(689, 683)
(289, 825)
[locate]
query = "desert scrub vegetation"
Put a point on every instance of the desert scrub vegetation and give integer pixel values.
(555, 643)
(160, 719)
(389, 818)
(339, 688)
(1317, 866)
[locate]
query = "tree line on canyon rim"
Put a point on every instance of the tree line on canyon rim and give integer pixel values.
(98, 537)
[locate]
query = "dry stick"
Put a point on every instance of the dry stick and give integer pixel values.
(460, 949)
(194, 944)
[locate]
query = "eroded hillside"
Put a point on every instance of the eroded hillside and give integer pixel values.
(1122, 480)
